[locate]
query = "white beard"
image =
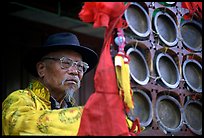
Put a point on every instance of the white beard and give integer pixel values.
(70, 95)
(70, 91)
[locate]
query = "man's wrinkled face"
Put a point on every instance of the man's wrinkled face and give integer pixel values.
(56, 78)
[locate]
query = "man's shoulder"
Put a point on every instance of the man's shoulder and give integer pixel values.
(19, 94)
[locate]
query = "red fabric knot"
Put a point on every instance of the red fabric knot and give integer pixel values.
(195, 10)
(103, 14)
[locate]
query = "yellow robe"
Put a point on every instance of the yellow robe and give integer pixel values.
(28, 112)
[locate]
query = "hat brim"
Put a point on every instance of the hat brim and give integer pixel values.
(35, 54)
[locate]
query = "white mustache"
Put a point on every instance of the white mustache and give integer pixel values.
(75, 79)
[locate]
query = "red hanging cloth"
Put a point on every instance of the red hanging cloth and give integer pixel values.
(103, 113)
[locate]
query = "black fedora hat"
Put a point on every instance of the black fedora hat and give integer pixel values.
(58, 41)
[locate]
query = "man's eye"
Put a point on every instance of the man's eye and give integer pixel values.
(67, 63)
(80, 66)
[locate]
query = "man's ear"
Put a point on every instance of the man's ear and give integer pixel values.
(40, 66)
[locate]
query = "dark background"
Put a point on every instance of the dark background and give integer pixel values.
(28, 23)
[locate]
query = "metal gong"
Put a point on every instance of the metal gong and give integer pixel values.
(167, 71)
(168, 113)
(139, 70)
(192, 73)
(191, 33)
(142, 108)
(193, 116)
(166, 28)
(138, 20)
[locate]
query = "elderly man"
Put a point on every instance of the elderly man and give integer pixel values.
(46, 106)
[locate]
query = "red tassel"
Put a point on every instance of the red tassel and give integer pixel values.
(135, 123)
